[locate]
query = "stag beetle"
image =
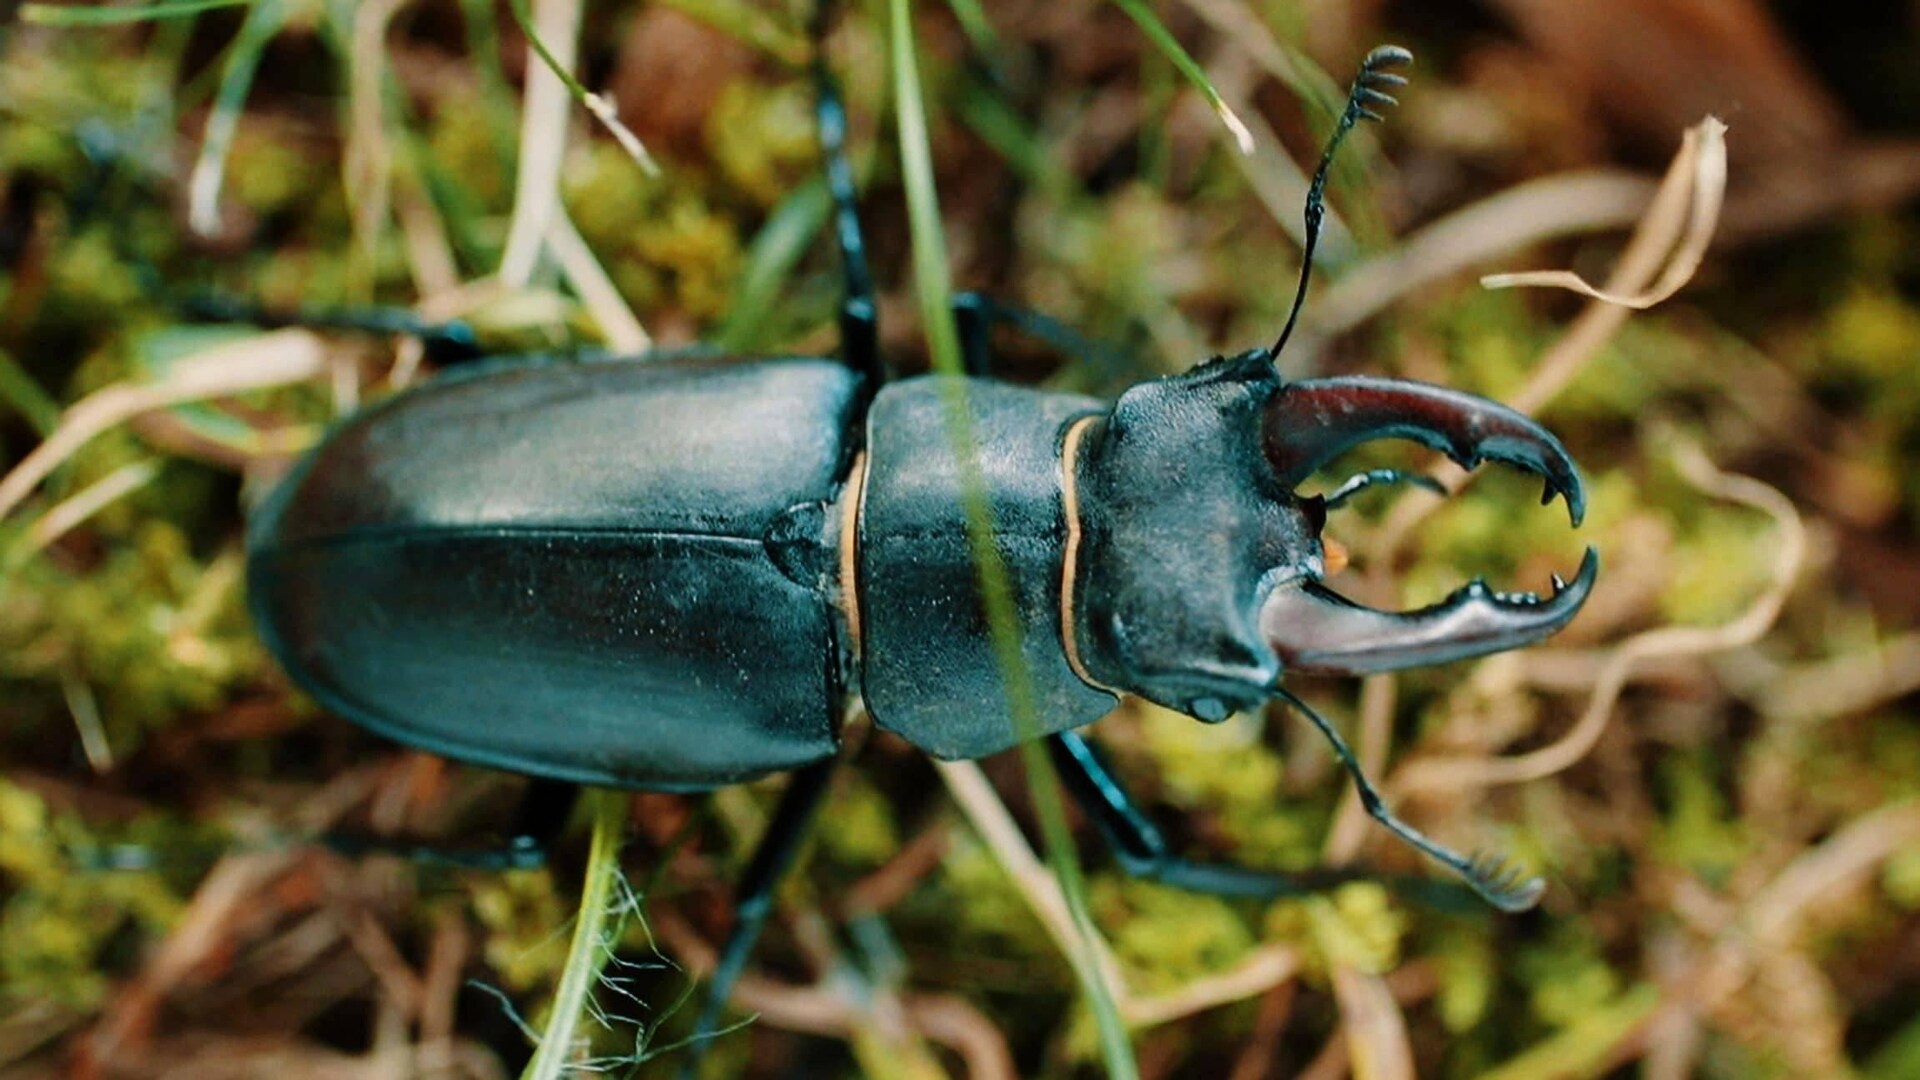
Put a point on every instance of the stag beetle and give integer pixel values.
(671, 574)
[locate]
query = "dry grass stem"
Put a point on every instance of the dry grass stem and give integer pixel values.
(989, 816)
(543, 141)
(1842, 686)
(1258, 973)
(1513, 220)
(75, 509)
(275, 359)
(827, 1009)
(1668, 219)
(1448, 774)
(602, 299)
(1375, 1029)
(1701, 169)
(367, 163)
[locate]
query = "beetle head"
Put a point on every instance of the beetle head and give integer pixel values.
(1199, 578)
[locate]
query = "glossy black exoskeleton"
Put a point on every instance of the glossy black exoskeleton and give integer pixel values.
(674, 574)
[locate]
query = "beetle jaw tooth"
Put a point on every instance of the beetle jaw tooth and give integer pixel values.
(1310, 422)
(1314, 629)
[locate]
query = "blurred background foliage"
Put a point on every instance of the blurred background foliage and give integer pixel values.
(1734, 859)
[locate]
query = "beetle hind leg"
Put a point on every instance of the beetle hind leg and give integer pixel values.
(544, 809)
(798, 806)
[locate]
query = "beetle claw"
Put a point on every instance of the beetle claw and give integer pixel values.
(1314, 629)
(1313, 421)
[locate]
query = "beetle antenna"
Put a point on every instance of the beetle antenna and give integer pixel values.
(1493, 877)
(1362, 97)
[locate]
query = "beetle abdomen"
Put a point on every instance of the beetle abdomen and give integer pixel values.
(563, 569)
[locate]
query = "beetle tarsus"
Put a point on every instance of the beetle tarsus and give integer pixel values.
(1496, 880)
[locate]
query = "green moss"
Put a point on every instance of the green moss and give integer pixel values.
(1698, 831)
(1718, 565)
(763, 140)
(986, 907)
(1226, 770)
(1873, 334)
(1167, 937)
(56, 921)
(1356, 926)
(1900, 879)
(1469, 971)
(155, 633)
(664, 242)
(1567, 978)
(1587, 1043)
(525, 919)
(858, 829)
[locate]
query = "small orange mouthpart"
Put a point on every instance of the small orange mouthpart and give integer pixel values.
(1336, 556)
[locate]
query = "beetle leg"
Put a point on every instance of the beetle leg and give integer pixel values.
(544, 808)
(754, 899)
(973, 315)
(1496, 880)
(446, 342)
(1142, 851)
(859, 315)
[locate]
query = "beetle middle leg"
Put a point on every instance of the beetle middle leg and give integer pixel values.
(797, 808)
(545, 806)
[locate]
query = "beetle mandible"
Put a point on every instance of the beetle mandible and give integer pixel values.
(672, 574)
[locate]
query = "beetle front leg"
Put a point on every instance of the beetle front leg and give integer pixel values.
(1142, 851)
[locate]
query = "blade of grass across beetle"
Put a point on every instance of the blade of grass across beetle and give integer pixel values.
(935, 293)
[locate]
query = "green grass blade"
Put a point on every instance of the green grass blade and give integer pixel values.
(19, 390)
(779, 246)
(1156, 32)
(973, 22)
(595, 929)
(934, 286)
(236, 80)
(84, 15)
(600, 108)
(749, 24)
